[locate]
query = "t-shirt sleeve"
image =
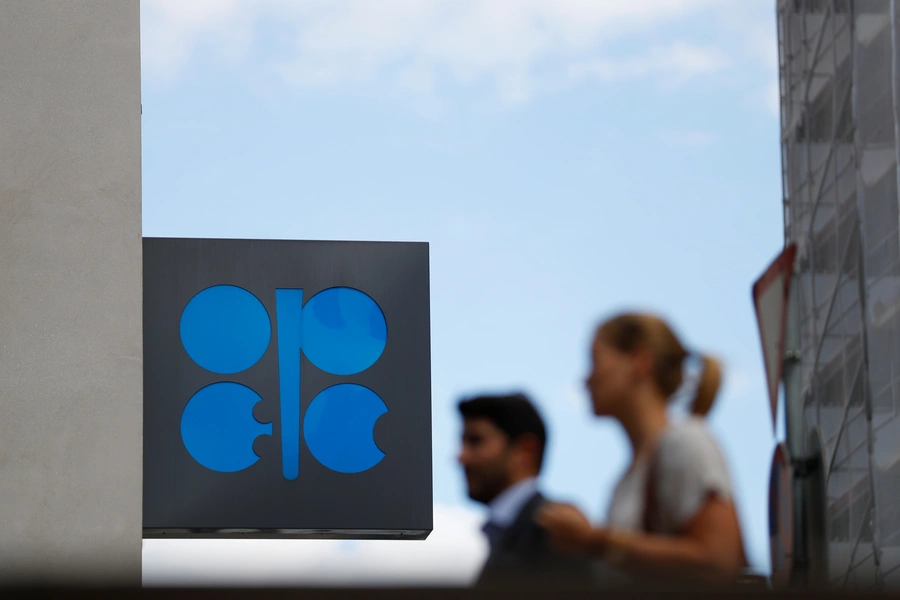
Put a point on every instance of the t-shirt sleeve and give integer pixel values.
(691, 468)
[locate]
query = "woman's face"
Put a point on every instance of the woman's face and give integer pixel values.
(611, 379)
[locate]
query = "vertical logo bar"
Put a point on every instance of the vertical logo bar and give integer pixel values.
(289, 311)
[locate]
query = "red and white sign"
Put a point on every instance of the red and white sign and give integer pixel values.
(781, 513)
(770, 298)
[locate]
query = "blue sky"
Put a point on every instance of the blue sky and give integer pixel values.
(563, 158)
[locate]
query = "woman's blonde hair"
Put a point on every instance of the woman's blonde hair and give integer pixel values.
(630, 332)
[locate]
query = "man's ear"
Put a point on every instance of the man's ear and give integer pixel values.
(528, 447)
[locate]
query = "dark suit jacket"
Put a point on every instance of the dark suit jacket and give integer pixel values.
(524, 557)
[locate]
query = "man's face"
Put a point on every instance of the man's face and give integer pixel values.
(486, 457)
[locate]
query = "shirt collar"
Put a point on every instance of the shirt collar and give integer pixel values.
(506, 506)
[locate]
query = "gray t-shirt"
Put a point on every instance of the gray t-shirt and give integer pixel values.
(690, 469)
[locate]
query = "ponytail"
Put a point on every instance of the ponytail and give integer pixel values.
(707, 387)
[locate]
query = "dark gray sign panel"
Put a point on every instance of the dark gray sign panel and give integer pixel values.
(287, 389)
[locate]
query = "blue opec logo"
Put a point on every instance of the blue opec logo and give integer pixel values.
(226, 330)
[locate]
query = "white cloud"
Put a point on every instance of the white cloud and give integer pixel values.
(171, 30)
(761, 46)
(519, 47)
(452, 555)
(671, 66)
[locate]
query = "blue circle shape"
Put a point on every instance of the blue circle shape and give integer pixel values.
(225, 329)
(344, 331)
(218, 427)
(339, 427)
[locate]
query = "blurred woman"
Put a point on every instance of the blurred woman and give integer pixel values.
(672, 513)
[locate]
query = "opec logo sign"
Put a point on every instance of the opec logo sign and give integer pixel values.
(226, 330)
(287, 389)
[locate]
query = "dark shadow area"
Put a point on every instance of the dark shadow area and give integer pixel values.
(384, 593)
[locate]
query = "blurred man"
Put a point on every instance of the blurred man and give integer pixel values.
(502, 452)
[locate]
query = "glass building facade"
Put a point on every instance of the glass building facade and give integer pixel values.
(840, 126)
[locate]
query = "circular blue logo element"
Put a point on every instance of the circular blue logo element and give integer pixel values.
(218, 427)
(344, 331)
(225, 329)
(339, 425)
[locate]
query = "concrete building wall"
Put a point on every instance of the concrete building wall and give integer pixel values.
(70, 289)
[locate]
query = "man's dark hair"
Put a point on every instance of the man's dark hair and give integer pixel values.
(513, 414)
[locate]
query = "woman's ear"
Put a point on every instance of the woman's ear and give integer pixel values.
(642, 363)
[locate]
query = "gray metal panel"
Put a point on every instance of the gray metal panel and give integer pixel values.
(70, 290)
(183, 498)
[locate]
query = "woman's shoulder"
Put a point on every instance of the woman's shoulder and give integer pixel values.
(689, 440)
(690, 467)
(687, 430)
